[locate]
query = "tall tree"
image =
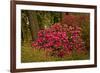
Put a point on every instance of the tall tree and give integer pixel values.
(24, 27)
(33, 24)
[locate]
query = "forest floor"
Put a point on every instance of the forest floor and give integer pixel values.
(29, 54)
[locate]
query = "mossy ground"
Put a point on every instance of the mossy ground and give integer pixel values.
(29, 54)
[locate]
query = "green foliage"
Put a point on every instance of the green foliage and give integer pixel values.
(86, 30)
(32, 21)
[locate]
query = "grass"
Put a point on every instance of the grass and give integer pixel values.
(29, 54)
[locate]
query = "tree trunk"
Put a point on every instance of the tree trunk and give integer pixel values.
(33, 24)
(24, 28)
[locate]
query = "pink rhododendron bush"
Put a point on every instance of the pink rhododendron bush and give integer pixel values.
(54, 36)
(60, 40)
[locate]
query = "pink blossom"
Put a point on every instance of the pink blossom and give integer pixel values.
(60, 38)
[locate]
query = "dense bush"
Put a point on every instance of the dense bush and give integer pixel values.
(61, 40)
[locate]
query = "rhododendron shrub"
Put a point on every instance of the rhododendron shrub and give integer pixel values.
(72, 20)
(60, 39)
(82, 21)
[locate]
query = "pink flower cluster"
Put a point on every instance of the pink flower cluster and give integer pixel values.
(61, 39)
